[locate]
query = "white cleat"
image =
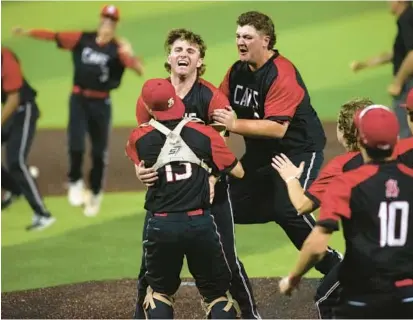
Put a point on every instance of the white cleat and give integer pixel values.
(76, 193)
(92, 204)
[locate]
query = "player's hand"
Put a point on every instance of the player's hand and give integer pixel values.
(287, 285)
(212, 181)
(286, 168)
(394, 89)
(226, 117)
(147, 176)
(357, 66)
(19, 31)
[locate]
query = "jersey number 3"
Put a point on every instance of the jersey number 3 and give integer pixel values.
(172, 177)
(388, 214)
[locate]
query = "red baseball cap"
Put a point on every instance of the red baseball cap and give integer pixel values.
(159, 95)
(409, 101)
(110, 11)
(378, 127)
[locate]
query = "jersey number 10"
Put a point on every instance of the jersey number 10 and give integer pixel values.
(388, 213)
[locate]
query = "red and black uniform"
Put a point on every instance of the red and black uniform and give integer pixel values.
(275, 92)
(200, 102)
(178, 202)
(375, 205)
(18, 133)
(404, 151)
(98, 69)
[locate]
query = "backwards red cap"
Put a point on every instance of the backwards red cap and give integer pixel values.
(409, 101)
(110, 11)
(378, 127)
(160, 97)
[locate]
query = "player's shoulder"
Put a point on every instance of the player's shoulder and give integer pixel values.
(8, 54)
(204, 83)
(354, 177)
(140, 131)
(405, 169)
(404, 145)
(199, 126)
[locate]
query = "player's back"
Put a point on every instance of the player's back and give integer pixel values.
(379, 235)
(404, 151)
(182, 186)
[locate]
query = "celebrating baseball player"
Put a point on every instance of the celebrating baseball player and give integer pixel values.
(184, 153)
(99, 60)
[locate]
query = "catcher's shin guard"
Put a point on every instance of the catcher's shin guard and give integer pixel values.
(222, 308)
(157, 305)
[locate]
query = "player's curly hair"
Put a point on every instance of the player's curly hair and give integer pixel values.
(261, 23)
(191, 37)
(345, 121)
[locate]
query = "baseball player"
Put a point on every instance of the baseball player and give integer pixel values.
(99, 60)
(18, 127)
(404, 148)
(186, 52)
(271, 108)
(374, 203)
(184, 153)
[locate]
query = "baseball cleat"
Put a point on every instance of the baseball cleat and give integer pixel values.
(76, 193)
(92, 204)
(40, 222)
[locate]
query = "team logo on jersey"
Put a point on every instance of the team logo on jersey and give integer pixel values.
(90, 56)
(247, 97)
(392, 189)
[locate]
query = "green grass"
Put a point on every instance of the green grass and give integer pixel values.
(78, 249)
(321, 44)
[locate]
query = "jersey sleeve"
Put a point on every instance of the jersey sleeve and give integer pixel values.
(224, 86)
(285, 93)
(404, 151)
(65, 39)
(12, 77)
(130, 149)
(142, 114)
(218, 101)
(319, 186)
(336, 204)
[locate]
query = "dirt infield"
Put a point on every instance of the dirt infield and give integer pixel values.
(116, 299)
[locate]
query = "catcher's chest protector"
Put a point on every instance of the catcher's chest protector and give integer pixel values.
(175, 148)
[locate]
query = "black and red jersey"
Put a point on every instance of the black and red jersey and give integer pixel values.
(98, 67)
(375, 205)
(182, 186)
(12, 78)
(200, 102)
(277, 92)
(404, 151)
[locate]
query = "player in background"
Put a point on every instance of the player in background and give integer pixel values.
(99, 60)
(185, 153)
(271, 108)
(18, 126)
(374, 204)
(185, 64)
(404, 148)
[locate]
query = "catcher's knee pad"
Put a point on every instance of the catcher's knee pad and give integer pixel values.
(157, 305)
(222, 308)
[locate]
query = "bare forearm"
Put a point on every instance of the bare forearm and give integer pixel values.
(406, 69)
(11, 104)
(383, 58)
(238, 171)
(308, 258)
(259, 128)
(299, 200)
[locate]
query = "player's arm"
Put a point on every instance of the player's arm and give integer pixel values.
(223, 158)
(283, 97)
(383, 58)
(218, 101)
(65, 40)
(12, 79)
(127, 57)
(334, 206)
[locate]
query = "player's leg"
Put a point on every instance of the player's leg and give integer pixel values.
(17, 149)
(76, 131)
(164, 254)
(209, 267)
(328, 293)
(99, 125)
(240, 288)
(142, 283)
